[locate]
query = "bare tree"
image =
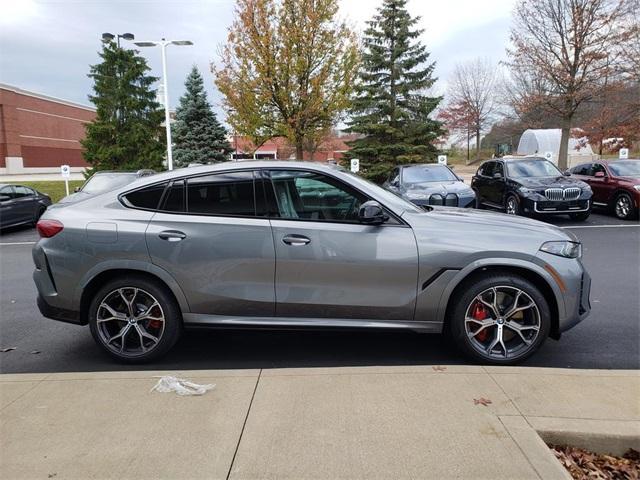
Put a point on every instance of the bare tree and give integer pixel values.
(472, 93)
(569, 47)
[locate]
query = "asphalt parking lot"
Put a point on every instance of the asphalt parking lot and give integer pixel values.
(609, 338)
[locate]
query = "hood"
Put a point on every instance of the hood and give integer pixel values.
(550, 182)
(472, 234)
(632, 180)
(428, 188)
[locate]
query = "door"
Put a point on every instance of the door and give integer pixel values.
(328, 265)
(8, 212)
(481, 181)
(25, 204)
(601, 184)
(208, 236)
(496, 191)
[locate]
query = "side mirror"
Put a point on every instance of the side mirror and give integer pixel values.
(599, 175)
(567, 173)
(497, 175)
(372, 213)
(76, 190)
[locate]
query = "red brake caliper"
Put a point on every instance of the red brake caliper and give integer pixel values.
(479, 312)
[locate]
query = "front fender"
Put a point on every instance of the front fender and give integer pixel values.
(534, 265)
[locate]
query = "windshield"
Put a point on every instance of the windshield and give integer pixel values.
(625, 169)
(532, 168)
(421, 174)
(100, 183)
(385, 195)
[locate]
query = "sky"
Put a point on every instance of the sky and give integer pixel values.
(47, 46)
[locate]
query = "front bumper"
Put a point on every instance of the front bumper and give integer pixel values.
(555, 207)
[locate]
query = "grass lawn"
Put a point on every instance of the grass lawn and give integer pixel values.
(53, 188)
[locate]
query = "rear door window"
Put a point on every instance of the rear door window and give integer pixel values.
(175, 198)
(230, 193)
(146, 198)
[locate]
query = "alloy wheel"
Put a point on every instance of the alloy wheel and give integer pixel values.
(130, 321)
(512, 206)
(502, 322)
(623, 206)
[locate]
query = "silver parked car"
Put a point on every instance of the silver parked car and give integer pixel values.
(294, 244)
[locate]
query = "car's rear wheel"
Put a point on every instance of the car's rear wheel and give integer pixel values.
(134, 319)
(623, 206)
(512, 205)
(500, 319)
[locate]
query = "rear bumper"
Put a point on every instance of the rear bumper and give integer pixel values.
(56, 313)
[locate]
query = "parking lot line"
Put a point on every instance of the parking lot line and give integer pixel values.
(17, 243)
(602, 226)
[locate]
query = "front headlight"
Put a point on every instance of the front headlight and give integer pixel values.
(587, 188)
(525, 190)
(637, 187)
(563, 248)
(466, 193)
(416, 195)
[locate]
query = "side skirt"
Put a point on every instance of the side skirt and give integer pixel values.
(223, 321)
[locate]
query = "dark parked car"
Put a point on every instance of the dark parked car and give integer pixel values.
(430, 184)
(615, 185)
(301, 245)
(20, 205)
(530, 186)
(104, 181)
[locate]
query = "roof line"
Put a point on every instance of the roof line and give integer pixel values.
(42, 96)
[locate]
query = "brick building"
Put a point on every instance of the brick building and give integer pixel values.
(39, 133)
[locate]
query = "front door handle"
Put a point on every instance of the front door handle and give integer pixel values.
(172, 235)
(296, 240)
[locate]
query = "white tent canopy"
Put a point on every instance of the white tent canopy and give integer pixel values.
(541, 141)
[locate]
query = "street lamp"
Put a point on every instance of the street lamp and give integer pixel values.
(107, 37)
(163, 46)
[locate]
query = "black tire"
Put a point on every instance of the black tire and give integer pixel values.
(170, 310)
(465, 298)
(507, 205)
(478, 203)
(629, 211)
(39, 213)
(580, 216)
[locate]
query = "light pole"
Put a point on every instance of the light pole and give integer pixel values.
(106, 37)
(163, 46)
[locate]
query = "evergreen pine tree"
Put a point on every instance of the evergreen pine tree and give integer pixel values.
(391, 108)
(127, 131)
(198, 137)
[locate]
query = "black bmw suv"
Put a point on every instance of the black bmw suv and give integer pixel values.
(530, 186)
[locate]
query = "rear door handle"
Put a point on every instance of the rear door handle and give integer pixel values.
(172, 235)
(296, 240)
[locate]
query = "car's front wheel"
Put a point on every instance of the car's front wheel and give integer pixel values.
(623, 206)
(512, 205)
(580, 216)
(501, 319)
(134, 319)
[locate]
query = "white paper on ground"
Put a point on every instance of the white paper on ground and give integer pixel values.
(168, 384)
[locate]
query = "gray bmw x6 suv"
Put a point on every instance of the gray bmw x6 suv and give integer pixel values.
(296, 245)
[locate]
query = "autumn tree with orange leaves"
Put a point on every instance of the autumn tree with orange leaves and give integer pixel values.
(287, 70)
(565, 49)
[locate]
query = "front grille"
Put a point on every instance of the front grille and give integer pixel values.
(436, 199)
(556, 194)
(451, 200)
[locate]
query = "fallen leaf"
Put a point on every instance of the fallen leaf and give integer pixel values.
(481, 401)
(4, 350)
(439, 368)
(35, 352)
(13, 301)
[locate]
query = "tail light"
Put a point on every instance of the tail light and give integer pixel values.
(49, 228)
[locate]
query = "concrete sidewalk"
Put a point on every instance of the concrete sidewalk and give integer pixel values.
(371, 422)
